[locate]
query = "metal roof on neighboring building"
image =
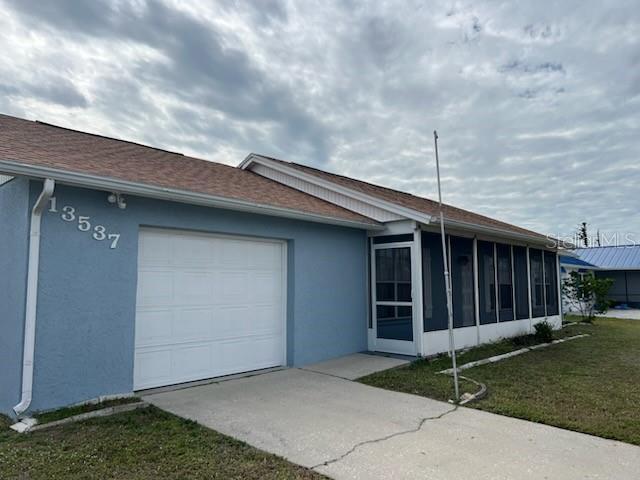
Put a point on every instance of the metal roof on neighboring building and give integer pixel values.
(624, 257)
(574, 261)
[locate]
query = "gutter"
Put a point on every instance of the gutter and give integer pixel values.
(32, 296)
(175, 195)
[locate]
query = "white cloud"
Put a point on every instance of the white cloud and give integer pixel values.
(537, 104)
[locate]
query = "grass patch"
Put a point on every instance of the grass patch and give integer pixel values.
(142, 444)
(420, 377)
(61, 413)
(591, 385)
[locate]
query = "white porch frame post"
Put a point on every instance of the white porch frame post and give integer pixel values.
(417, 288)
(476, 287)
(513, 283)
(495, 273)
(559, 286)
(372, 334)
(544, 286)
(529, 291)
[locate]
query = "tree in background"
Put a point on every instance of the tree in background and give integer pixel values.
(587, 294)
(583, 236)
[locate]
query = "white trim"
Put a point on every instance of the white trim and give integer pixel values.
(476, 286)
(403, 347)
(529, 291)
(559, 284)
(375, 201)
(28, 352)
(386, 205)
(416, 291)
(500, 233)
(513, 284)
(544, 286)
(175, 195)
(495, 272)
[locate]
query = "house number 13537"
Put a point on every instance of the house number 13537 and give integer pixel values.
(98, 232)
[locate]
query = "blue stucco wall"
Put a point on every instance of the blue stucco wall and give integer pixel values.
(87, 292)
(14, 238)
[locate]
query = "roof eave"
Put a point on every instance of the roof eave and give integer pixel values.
(171, 194)
(375, 201)
(473, 227)
(404, 211)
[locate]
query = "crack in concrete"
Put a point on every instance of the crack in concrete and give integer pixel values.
(383, 439)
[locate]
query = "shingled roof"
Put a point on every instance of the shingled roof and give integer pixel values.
(420, 204)
(39, 144)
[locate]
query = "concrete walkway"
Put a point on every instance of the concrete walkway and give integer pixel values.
(347, 430)
(631, 314)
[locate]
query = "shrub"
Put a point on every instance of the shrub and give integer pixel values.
(544, 331)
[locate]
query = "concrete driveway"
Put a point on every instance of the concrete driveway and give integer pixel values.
(347, 430)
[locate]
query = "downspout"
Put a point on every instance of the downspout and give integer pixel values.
(32, 296)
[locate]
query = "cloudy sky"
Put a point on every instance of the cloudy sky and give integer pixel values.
(537, 104)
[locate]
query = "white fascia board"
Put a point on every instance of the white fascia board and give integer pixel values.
(347, 192)
(171, 194)
(498, 232)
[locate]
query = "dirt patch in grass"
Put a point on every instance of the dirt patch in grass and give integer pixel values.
(143, 444)
(591, 384)
(61, 413)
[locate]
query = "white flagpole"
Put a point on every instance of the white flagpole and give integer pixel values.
(447, 277)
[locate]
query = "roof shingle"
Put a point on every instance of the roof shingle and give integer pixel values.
(43, 145)
(414, 202)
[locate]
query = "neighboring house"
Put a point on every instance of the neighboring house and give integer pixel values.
(620, 263)
(148, 268)
(568, 265)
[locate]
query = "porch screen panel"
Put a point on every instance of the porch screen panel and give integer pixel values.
(520, 282)
(633, 288)
(462, 282)
(537, 283)
(505, 282)
(434, 296)
(486, 282)
(551, 282)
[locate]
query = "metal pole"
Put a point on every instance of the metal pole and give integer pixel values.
(447, 277)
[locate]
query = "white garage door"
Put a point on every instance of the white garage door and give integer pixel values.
(207, 306)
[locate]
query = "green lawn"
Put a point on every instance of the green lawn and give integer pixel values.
(143, 444)
(590, 385)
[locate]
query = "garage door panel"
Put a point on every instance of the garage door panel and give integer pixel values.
(192, 361)
(265, 256)
(194, 288)
(155, 287)
(266, 319)
(213, 310)
(192, 324)
(233, 287)
(265, 287)
(234, 253)
(155, 249)
(153, 368)
(192, 251)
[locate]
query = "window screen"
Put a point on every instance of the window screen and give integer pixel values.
(521, 285)
(505, 282)
(537, 295)
(433, 292)
(487, 282)
(551, 283)
(462, 282)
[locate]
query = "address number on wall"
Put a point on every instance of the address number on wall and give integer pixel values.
(98, 232)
